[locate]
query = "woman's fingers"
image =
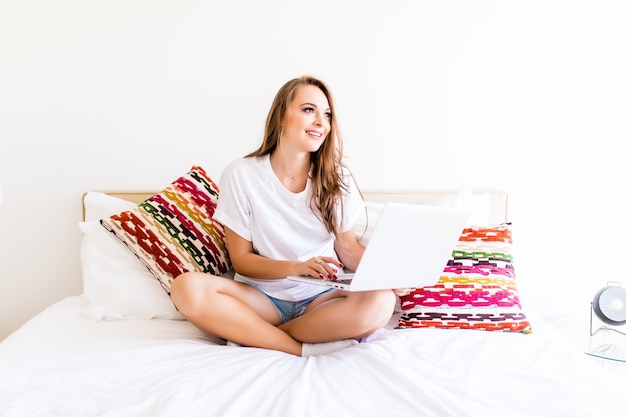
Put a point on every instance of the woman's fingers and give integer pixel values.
(326, 267)
(403, 291)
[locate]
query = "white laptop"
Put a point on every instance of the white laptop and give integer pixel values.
(409, 248)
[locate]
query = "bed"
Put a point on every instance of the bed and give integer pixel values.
(121, 348)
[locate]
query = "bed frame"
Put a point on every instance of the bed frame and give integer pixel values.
(497, 200)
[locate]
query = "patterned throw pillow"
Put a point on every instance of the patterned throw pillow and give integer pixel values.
(173, 231)
(477, 289)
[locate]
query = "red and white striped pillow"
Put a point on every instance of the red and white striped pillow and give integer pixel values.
(173, 231)
(476, 290)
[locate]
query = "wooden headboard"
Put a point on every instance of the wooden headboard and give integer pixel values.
(494, 202)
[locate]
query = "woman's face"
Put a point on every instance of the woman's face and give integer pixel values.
(307, 121)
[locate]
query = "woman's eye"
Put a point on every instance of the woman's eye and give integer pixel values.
(328, 115)
(308, 109)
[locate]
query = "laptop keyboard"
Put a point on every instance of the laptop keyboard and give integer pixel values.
(344, 278)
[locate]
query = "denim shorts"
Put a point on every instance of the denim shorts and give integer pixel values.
(289, 310)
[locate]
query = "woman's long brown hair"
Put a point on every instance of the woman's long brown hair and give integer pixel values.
(327, 168)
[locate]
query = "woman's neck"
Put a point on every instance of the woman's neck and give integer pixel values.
(293, 172)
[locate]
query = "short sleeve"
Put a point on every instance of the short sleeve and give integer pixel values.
(233, 207)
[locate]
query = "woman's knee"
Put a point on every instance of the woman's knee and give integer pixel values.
(188, 290)
(377, 308)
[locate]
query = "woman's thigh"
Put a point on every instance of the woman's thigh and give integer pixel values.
(324, 297)
(369, 302)
(220, 295)
(342, 315)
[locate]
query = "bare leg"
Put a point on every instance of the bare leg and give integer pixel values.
(339, 315)
(231, 310)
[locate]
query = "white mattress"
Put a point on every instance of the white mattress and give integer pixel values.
(62, 363)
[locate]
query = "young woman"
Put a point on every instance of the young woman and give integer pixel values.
(288, 208)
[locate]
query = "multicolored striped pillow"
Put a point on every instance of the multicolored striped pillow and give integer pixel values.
(477, 289)
(174, 231)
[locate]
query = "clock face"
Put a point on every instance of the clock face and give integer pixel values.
(610, 305)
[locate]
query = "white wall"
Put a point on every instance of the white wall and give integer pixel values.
(522, 96)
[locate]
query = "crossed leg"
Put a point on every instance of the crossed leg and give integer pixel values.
(240, 313)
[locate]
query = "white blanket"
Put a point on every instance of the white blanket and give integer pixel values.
(62, 363)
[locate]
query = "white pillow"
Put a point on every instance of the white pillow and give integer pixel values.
(479, 204)
(117, 284)
(98, 205)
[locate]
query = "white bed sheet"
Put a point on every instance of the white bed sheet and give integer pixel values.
(61, 363)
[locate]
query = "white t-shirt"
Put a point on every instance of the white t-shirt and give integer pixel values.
(280, 224)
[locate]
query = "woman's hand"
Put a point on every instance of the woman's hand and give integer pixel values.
(321, 266)
(400, 292)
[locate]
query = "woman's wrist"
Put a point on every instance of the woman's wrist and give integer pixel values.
(293, 268)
